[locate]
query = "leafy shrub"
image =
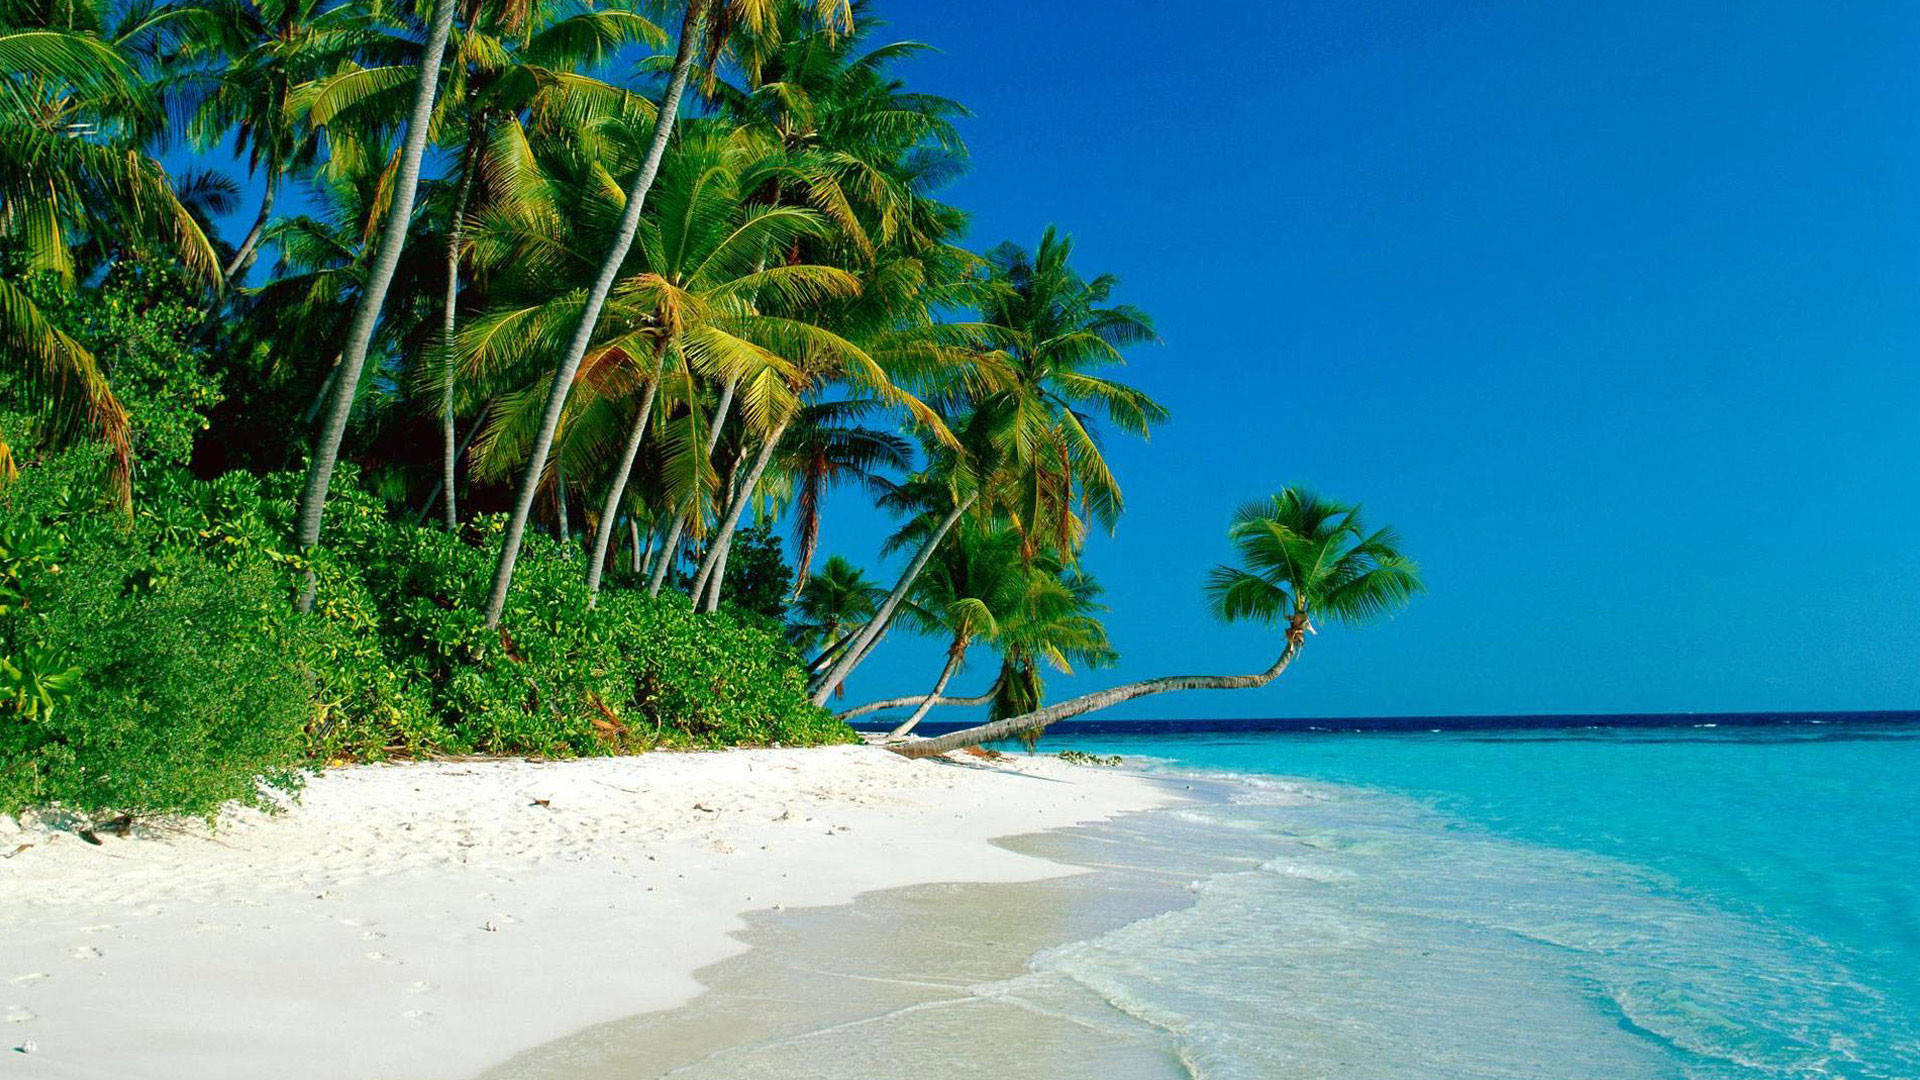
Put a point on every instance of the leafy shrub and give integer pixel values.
(142, 680)
(156, 664)
(561, 678)
(143, 332)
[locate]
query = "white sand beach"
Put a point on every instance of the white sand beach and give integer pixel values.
(428, 920)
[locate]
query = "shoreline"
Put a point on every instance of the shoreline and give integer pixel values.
(416, 920)
(888, 984)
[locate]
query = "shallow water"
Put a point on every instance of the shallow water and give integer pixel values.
(1697, 903)
(1679, 904)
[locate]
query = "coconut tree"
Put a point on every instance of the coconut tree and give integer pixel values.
(975, 582)
(56, 379)
(826, 360)
(1031, 454)
(833, 598)
(1043, 614)
(1061, 331)
(509, 62)
(1304, 558)
(74, 184)
(828, 448)
(716, 19)
(832, 602)
(698, 296)
(393, 236)
(254, 55)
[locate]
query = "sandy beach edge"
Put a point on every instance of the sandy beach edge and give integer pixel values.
(427, 920)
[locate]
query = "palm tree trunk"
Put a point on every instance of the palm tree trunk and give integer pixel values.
(717, 555)
(1101, 699)
(562, 527)
(433, 495)
(955, 653)
(610, 513)
(670, 551)
(590, 317)
(916, 699)
(393, 237)
(633, 536)
(827, 654)
(243, 256)
(449, 452)
(857, 651)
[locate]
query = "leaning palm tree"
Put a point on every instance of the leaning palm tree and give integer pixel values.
(975, 583)
(715, 19)
(393, 238)
(1051, 621)
(1032, 456)
(1305, 558)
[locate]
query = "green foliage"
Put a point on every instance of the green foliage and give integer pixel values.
(140, 327)
(137, 677)
(758, 577)
(631, 673)
(1310, 557)
(157, 666)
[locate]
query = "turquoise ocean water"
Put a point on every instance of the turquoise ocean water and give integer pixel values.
(1695, 902)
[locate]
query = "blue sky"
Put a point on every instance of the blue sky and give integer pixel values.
(1613, 309)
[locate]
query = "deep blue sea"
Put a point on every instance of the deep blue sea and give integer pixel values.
(1710, 898)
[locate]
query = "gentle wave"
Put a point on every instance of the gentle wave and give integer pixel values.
(1380, 938)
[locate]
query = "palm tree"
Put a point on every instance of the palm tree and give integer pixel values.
(1031, 455)
(74, 108)
(699, 297)
(828, 448)
(59, 380)
(975, 582)
(494, 77)
(716, 18)
(947, 490)
(1305, 558)
(1056, 627)
(835, 598)
(1060, 331)
(393, 237)
(1042, 613)
(257, 54)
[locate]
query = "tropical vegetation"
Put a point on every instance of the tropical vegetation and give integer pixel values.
(541, 324)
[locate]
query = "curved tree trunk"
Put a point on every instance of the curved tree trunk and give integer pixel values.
(916, 699)
(670, 551)
(955, 653)
(858, 650)
(714, 567)
(610, 513)
(243, 256)
(456, 231)
(643, 556)
(590, 317)
(1101, 699)
(393, 237)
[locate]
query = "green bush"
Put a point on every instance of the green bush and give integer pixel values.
(141, 680)
(154, 664)
(144, 332)
(560, 678)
